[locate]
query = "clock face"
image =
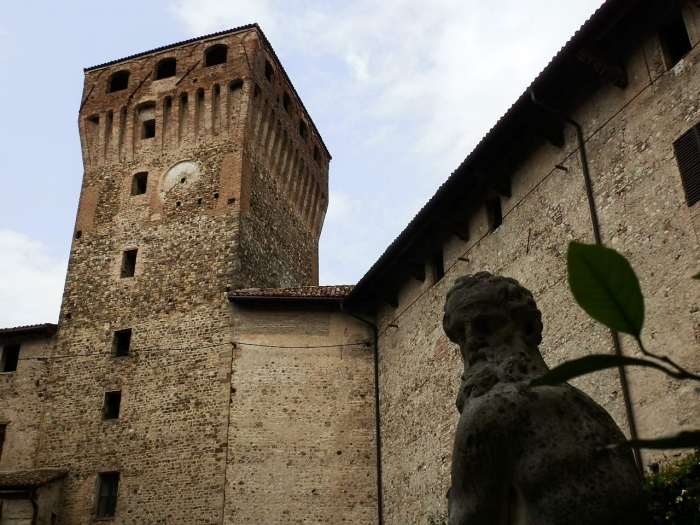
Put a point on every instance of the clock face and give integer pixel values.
(179, 177)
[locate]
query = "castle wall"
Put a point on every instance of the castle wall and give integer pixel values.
(302, 433)
(643, 214)
(22, 393)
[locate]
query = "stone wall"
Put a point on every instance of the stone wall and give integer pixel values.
(643, 214)
(302, 434)
(22, 394)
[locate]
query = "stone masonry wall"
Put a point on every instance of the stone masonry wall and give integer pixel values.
(643, 214)
(302, 435)
(22, 394)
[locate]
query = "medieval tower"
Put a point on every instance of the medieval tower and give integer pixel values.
(203, 174)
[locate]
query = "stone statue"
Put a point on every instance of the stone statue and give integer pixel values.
(527, 456)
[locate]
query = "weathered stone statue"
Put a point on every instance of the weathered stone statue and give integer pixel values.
(527, 456)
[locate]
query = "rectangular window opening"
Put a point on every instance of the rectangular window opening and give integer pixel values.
(110, 409)
(122, 342)
(139, 183)
(674, 38)
(3, 432)
(129, 263)
(10, 357)
(148, 130)
(438, 264)
(107, 494)
(687, 151)
(495, 214)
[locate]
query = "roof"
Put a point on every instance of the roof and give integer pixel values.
(216, 35)
(336, 292)
(467, 178)
(46, 329)
(25, 479)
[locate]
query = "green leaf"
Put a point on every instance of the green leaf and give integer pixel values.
(689, 439)
(586, 365)
(605, 286)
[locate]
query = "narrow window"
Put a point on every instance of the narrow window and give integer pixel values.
(495, 214)
(118, 81)
(673, 36)
(122, 127)
(122, 342)
(687, 150)
(110, 409)
(215, 108)
(129, 263)
(302, 129)
(166, 68)
(287, 103)
(54, 518)
(3, 431)
(199, 111)
(269, 72)
(10, 357)
(107, 494)
(139, 182)
(109, 123)
(317, 156)
(215, 55)
(148, 129)
(184, 112)
(438, 265)
(167, 117)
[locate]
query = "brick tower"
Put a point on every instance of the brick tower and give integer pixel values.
(203, 174)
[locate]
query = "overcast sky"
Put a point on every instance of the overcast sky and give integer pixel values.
(400, 90)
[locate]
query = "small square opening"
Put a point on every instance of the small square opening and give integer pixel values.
(110, 409)
(122, 342)
(129, 263)
(139, 183)
(148, 129)
(10, 357)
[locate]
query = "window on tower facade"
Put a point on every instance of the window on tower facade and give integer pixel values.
(166, 68)
(9, 358)
(215, 55)
(118, 81)
(107, 490)
(687, 150)
(673, 36)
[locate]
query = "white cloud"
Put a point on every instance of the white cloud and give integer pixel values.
(31, 281)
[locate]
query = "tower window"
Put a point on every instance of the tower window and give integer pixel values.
(122, 342)
(139, 182)
(687, 150)
(110, 409)
(166, 68)
(495, 214)
(287, 103)
(269, 72)
(673, 36)
(128, 263)
(317, 156)
(107, 494)
(215, 55)
(302, 129)
(10, 357)
(118, 81)
(148, 129)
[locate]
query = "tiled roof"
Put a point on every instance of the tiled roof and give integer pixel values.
(328, 292)
(34, 329)
(30, 478)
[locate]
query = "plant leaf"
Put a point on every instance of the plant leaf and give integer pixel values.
(588, 364)
(689, 439)
(606, 287)
(697, 276)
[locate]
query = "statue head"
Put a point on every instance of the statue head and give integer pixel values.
(485, 310)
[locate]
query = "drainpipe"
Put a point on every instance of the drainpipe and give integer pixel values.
(377, 422)
(596, 233)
